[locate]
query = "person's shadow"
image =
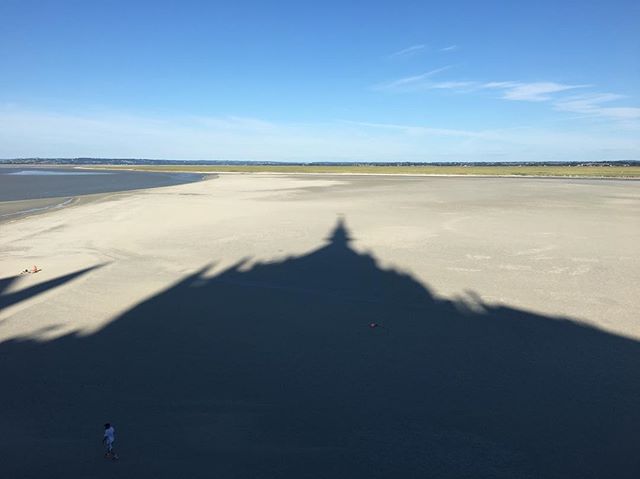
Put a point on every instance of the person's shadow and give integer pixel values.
(318, 366)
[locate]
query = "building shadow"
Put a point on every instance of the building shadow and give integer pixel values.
(318, 366)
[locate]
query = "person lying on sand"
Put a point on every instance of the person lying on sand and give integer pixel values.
(33, 270)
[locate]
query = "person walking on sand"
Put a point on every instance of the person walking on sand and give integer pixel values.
(108, 439)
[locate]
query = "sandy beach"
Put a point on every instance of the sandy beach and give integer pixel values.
(562, 247)
(492, 251)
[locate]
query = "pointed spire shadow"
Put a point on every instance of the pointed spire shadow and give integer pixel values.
(8, 299)
(340, 236)
(274, 371)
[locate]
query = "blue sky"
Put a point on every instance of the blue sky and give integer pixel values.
(376, 81)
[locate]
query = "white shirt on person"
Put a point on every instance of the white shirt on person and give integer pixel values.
(109, 434)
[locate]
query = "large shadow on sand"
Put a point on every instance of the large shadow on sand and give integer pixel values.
(273, 371)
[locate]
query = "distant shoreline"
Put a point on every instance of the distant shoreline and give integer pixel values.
(564, 172)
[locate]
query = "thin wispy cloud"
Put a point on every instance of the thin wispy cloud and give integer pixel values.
(411, 82)
(420, 130)
(409, 51)
(454, 85)
(595, 104)
(588, 104)
(515, 143)
(534, 91)
(450, 48)
(510, 90)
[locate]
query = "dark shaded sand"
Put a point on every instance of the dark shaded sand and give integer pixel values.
(274, 372)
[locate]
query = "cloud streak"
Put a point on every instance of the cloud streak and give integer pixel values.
(592, 105)
(411, 82)
(510, 90)
(534, 91)
(421, 130)
(588, 104)
(409, 51)
(450, 48)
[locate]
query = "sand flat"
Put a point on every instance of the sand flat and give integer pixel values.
(225, 328)
(562, 247)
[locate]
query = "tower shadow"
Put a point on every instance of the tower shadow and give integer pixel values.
(323, 365)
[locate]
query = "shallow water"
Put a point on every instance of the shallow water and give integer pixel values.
(29, 172)
(24, 183)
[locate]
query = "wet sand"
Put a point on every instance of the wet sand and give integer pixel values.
(11, 210)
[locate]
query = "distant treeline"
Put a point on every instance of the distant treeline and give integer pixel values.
(142, 161)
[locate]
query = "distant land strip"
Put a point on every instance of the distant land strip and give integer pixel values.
(602, 169)
(548, 171)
